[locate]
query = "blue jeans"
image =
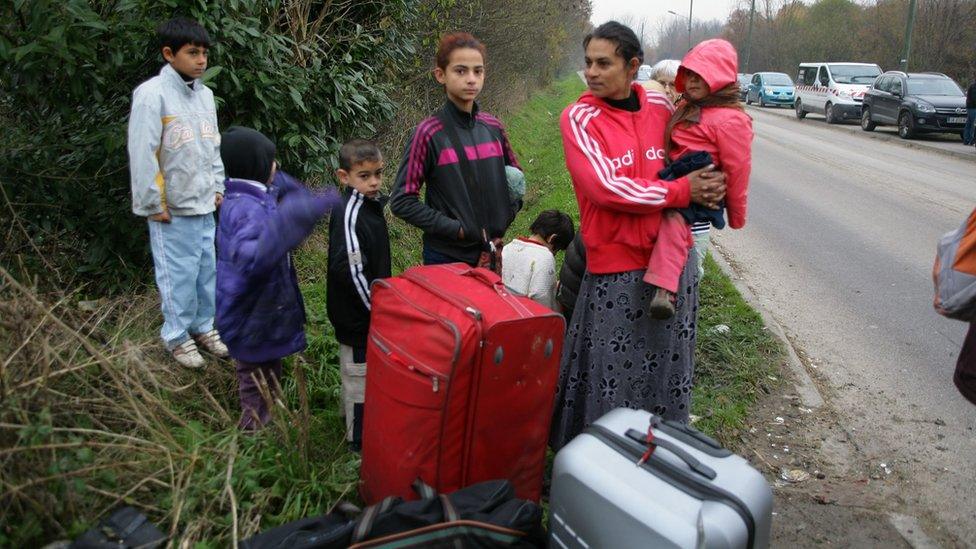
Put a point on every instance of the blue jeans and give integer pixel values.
(433, 257)
(186, 275)
(967, 134)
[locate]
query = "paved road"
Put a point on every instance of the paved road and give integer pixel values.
(839, 247)
(943, 142)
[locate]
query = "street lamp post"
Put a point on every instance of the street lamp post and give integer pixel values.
(691, 5)
(907, 52)
(752, 14)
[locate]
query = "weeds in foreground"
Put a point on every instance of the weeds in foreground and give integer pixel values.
(93, 416)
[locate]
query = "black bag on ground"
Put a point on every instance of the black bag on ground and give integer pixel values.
(126, 528)
(484, 515)
(331, 531)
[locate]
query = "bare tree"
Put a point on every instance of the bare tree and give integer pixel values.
(787, 32)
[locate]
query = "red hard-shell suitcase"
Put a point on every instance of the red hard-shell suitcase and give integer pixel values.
(460, 383)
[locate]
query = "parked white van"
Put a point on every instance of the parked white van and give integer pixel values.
(835, 90)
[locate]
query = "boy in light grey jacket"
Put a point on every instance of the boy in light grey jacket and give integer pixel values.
(177, 183)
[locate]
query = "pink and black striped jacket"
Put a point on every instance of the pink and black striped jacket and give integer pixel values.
(430, 158)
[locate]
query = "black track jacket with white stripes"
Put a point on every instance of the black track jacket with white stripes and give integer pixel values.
(359, 252)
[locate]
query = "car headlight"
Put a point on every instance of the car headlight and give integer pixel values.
(925, 107)
(844, 93)
(768, 90)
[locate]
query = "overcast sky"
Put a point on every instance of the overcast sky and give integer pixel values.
(656, 10)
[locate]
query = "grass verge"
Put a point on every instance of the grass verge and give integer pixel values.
(93, 414)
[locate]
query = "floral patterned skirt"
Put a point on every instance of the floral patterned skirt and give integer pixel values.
(615, 355)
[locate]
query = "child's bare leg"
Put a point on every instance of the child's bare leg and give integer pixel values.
(667, 263)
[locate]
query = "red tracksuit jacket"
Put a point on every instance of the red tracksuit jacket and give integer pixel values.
(613, 157)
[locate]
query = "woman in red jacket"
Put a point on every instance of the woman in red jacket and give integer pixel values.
(615, 354)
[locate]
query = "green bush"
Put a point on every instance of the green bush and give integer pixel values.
(306, 72)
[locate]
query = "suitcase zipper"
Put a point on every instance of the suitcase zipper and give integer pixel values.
(455, 300)
(447, 323)
(469, 308)
(690, 484)
(420, 367)
(435, 384)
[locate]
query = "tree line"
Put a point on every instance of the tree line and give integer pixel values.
(788, 32)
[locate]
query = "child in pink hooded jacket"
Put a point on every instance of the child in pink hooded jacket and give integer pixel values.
(708, 119)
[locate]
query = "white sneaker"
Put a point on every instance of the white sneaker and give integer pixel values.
(211, 343)
(187, 355)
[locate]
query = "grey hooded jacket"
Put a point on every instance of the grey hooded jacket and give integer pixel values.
(174, 147)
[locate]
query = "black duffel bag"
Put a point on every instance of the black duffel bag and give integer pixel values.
(125, 528)
(484, 515)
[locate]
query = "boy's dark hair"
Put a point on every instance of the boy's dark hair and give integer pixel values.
(628, 45)
(180, 31)
(356, 151)
(557, 224)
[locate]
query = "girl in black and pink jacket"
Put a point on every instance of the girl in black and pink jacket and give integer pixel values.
(468, 207)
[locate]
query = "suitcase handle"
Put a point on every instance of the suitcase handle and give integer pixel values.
(690, 460)
(486, 277)
(492, 280)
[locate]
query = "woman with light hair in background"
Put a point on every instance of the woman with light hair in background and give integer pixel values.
(663, 74)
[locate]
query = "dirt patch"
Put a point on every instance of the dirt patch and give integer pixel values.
(826, 493)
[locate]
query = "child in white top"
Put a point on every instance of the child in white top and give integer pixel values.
(529, 264)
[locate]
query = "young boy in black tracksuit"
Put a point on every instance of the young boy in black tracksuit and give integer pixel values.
(359, 252)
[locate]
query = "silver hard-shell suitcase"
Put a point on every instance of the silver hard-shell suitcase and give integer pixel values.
(690, 492)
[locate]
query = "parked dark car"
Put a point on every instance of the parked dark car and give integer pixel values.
(770, 88)
(743, 80)
(917, 102)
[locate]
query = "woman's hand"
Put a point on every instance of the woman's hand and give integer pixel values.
(707, 187)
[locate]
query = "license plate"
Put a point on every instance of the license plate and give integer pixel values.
(957, 120)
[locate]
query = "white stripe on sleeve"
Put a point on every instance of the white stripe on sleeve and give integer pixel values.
(352, 247)
(579, 119)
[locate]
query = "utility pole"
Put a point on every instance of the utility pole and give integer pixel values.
(643, 20)
(691, 5)
(908, 36)
(752, 14)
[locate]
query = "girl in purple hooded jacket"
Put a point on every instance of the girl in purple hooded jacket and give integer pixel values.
(260, 313)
